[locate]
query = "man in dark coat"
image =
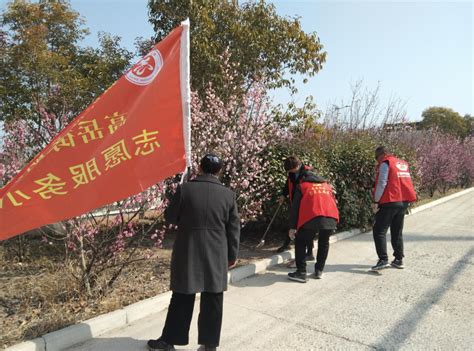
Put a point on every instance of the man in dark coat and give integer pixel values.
(206, 246)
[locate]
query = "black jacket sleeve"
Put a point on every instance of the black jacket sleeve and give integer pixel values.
(285, 191)
(174, 208)
(295, 207)
(233, 232)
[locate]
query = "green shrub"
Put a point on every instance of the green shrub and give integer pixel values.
(351, 164)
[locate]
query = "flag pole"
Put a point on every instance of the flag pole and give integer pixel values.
(186, 93)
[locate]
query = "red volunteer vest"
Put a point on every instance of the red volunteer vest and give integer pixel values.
(399, 185)
(317, 200)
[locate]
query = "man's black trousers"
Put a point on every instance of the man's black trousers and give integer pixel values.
(303, 238)
(180, 313)
(389, 217)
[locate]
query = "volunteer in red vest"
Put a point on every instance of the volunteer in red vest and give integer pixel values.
(393, 193)
(296, 170)
(313, 210)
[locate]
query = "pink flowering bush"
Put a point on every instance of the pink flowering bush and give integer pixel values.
(96, 240)
(440, 160)
(240, 131)
(105, 240)
(24, 139)
(245, 133)
(443, 160)
(466, 173)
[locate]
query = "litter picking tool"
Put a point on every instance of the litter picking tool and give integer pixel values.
(262, 242)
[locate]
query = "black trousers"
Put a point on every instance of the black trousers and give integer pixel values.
(303, 237)
(180, 313)
(309, 245)
(393, 218)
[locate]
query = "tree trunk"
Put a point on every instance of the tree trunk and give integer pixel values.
(85, 273)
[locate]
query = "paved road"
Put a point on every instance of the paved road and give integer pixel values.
(429, 305)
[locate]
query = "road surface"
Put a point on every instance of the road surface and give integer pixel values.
(429, 305)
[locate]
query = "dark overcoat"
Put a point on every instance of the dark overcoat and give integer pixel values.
(208, 235)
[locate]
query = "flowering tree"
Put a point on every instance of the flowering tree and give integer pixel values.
(439, 161)
(104, 241)
(239, 131)
(96, 239)
(467, 162)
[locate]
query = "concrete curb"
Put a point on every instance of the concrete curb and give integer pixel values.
(440, 201)
(79, 333)
(344, 235)
(146, 307)
(262, 265)
(76, 334)
(256, 267)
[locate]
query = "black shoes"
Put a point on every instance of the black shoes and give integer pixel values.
(309, 257)
(396, 263)
(159, 345)
(298, 277)
(381, 264)
(318, 274)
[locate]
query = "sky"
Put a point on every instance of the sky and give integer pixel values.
(421, 52)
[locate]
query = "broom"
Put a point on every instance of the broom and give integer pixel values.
(262, 242)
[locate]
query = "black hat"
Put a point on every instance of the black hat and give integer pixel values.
(211, 164)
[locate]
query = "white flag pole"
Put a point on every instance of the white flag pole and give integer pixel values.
(186, 93)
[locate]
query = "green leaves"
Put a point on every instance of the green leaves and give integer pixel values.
(447, 121)
(262, 45)
(43, 66)
(352, 168)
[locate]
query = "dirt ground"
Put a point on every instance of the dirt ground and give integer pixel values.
(37, 297)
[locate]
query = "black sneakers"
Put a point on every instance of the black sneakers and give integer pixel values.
(318, 274)
(309, 257)
(159, 345)
(298, 277)
(396, 263)
(381, 264)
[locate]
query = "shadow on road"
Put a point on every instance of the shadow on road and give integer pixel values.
(349, 268)
(401, 331)
(262, 280)
(278, 274)
(416, 237)
(438, 238)
(109, 344)
(275, 274)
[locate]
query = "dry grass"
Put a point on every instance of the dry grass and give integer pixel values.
(41, 294)
(38, 297)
